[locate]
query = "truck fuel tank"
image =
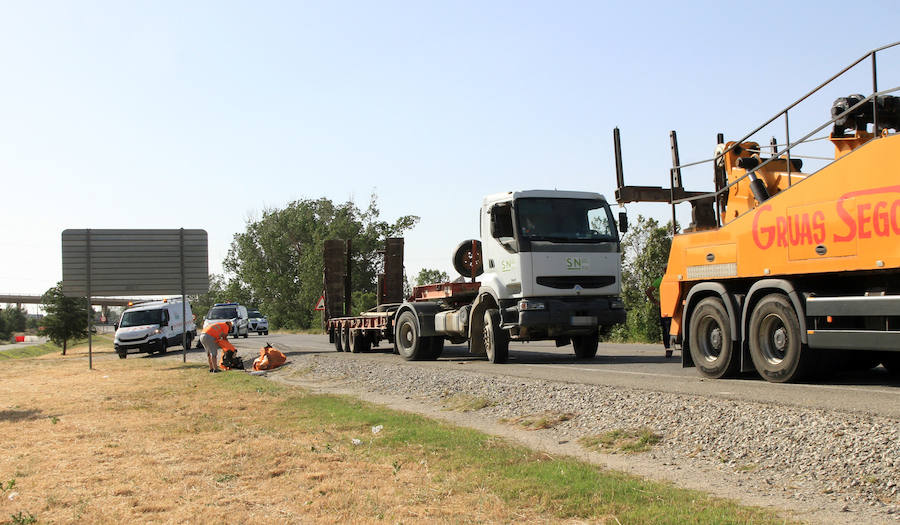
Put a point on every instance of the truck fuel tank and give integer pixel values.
(453, 322)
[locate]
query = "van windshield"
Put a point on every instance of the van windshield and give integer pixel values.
(222, 312)
(140, 318)
(565, 220)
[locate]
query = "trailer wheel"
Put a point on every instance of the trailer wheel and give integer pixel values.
(775, 346)
(359, 341)
(712, 349)
(336, 335)
(586, 345)
(496, 340)
(345, 338)
(410, 345)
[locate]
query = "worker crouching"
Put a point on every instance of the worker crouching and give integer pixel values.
(214, 337)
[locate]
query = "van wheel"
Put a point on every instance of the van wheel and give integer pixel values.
(496, 340)
(163, 346)
(775, 346)
(712, 349)
(187, 344)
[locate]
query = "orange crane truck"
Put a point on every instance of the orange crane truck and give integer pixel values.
(784, 272)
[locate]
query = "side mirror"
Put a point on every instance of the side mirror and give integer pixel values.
(623, 222)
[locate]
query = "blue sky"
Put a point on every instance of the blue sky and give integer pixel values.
(202, 114)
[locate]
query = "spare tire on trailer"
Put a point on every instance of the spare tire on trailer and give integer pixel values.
(463, 258)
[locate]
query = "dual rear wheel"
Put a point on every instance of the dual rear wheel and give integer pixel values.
(774, 340)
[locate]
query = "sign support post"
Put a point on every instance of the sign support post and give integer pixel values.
(184, 337)
(89, 308)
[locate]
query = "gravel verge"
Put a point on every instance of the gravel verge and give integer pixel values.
(836, 465)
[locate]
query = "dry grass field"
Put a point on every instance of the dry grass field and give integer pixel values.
(156, 440)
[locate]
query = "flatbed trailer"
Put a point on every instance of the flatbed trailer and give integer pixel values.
(361, 333)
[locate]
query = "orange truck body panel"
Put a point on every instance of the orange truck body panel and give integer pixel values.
(843, 218)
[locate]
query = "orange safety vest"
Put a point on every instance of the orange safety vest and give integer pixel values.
(218, 331)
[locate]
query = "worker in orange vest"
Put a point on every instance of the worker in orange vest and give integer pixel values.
(214, 337)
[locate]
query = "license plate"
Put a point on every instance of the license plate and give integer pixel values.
(583, 320)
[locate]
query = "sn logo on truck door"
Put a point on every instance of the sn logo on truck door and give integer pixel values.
(576, 263)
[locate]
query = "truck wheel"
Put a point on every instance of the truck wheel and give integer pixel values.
(163, 346)
(345, 338)
(496, 340)
(410, 345)
(586, 345)
(337, 340)
(775, 346)
(712, 349)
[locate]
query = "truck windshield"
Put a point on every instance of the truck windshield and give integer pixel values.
(565, 220)
(222, 313)
(140, 318)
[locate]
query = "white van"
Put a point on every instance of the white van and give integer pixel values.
(237, 314)
(153, 326)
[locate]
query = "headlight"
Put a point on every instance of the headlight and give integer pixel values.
(157, 331)
(531, 305)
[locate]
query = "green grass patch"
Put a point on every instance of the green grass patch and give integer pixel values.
(622, 440)
(467, 460)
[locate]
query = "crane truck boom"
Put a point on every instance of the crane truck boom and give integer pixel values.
(785, 272)
(549, 264)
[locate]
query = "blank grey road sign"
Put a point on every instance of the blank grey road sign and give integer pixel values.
(135, 262)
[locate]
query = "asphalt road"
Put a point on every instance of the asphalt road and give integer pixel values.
(626, 365)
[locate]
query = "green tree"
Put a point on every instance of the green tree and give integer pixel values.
(4, 331)
(66, 317)
(14, 319)
(646, 247)
(429, 276)
(278, 259)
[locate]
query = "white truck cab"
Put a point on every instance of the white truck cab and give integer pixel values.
(549, 268)
(153, 326)
(552, 262)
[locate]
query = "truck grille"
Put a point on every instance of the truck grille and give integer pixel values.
(569, 281)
